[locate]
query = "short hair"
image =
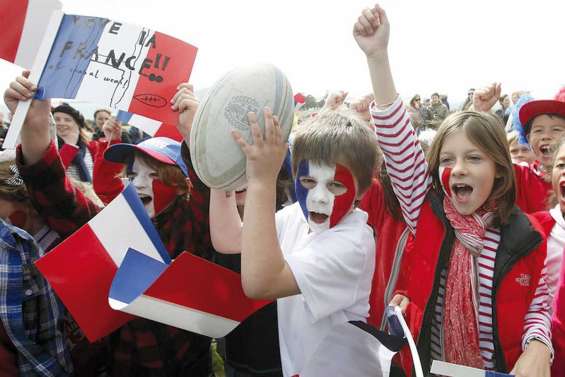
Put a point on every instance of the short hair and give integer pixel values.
(486, 132)
(102, 111)
(435, 94)
(530, 123)
(338, 136)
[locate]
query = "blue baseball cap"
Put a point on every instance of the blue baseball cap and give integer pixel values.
(163, 149)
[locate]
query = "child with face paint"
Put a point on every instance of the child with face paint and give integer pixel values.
(316, 256)
(159, 171)
(547, 120)
(472, 281)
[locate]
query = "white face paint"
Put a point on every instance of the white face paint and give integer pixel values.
(320, 199)
(142, 177)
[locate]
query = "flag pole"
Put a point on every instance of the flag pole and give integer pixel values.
(13, 136)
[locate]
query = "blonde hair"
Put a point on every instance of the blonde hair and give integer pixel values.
(512, 137)
(485, 131)
(338, 136)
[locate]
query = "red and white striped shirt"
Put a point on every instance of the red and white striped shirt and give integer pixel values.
(410, 178)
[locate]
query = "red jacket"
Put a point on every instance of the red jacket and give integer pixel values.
(68, 152)
(522, 250)
(558, 318)
(532, 190)
(391, 235)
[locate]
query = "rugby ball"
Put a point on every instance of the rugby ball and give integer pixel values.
(216, 158)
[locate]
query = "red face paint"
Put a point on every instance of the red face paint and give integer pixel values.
(18, 218)
(445, 174)
(344, 202)
(163, 195)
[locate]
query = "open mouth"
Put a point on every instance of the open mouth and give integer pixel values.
(145, 199)
(318, 218)
(546, 150)
(462, 191)
(562, 189)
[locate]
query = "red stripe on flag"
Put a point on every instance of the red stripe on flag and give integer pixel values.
(168, 63)
(12, 18)
(170, 131)
(81, 273)
(196, 283)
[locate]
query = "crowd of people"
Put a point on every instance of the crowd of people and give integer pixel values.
(455, 216)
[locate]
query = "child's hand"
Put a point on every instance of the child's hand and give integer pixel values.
(335, 100)
(400, 301)
(266, 155)
(371, 31)
(23, 90)
(534, 361)
(112, 129)
(186, 103)
(485, 98)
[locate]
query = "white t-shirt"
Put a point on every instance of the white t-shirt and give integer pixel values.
(333, 269)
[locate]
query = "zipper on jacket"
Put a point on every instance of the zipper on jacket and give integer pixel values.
(500, 362)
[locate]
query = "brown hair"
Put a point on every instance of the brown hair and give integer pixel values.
(486, 132)
(170, 174)
(338, 136)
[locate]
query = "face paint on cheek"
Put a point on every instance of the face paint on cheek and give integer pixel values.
(18, 218)
(163, 195)
(444, 174)
(343, 203)
(301, 191)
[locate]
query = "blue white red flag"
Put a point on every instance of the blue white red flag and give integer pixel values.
(118, 65)
(24, 23)
(113, 64)
(116, 264)
(153, 128)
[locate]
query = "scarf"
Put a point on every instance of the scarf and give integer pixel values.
(460, 324)
(78, 160)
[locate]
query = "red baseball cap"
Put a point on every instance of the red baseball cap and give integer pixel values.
(539, 107)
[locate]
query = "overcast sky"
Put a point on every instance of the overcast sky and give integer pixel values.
(436, 45)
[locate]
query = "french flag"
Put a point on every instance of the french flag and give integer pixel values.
(24, 23)
(116, 267)
(118, 65)
(153, 128)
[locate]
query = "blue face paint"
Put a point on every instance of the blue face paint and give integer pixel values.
(301, 191)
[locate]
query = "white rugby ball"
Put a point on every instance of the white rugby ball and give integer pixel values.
(216, 158)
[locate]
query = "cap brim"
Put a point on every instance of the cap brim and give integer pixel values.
(532, 109)
(123, 152)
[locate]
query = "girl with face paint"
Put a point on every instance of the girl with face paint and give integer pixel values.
(471, 252)
(316, 256)
(141, 347)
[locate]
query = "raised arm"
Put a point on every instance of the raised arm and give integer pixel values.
(404, 158)
(61, 205)
(264, 272)
(225, 223)
(106, 179)
(35, 136)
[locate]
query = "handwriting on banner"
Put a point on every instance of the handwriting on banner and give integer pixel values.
(116, 59)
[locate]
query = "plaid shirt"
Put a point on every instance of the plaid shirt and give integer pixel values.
(141, 347)
(30, 313)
